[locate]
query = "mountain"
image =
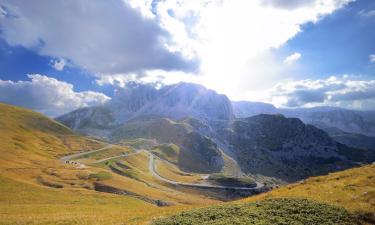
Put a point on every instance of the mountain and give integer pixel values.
(136, 100)
(202, 124)
(197, 153)
(288, 149)
(350, 139)
(174, 101)
(349, 121)
(244, 109)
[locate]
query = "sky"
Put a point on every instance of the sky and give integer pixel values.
(56, 56)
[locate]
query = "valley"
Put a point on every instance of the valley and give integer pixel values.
(178, 112)
(137, 167)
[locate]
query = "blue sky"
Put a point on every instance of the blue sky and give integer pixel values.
(339, 44)
(288, 53)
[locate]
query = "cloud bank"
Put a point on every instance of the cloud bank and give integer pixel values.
(47, 95)
(99, 36)
(344, 91)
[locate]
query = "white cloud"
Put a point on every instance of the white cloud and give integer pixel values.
(109, 36)
(292, 58)
(234, 38)
(231, 38)
(344, 91)
(47, 95)
(150, 76)
(58, 64)
(372, 58)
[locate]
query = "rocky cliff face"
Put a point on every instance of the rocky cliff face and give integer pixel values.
(174, 101)
(286, 148)
(94, 121)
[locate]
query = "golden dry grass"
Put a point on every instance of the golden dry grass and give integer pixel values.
(22, 203)
(353, 189)
(36, 188)
(172, 172)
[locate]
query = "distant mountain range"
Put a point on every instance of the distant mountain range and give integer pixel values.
(351, 127)
(210, 129)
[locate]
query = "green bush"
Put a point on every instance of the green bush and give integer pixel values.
(232, 181)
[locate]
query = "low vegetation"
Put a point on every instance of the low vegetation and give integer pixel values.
(275, 211)
(169, 152)
(223, 180)
(102, 175)
(353, 189)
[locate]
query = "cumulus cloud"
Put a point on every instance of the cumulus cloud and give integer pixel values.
(47, 95)
(234, 38)
(100, 36)
(342, 91)
(58, 64)
(292, 58)
(372, 58)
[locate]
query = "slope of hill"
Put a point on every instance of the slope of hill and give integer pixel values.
(276, 211)
(287, 149)
(353, 189)
(37, 188)
(27, 136)
(345, 197)
(197, 153)
(350, 139)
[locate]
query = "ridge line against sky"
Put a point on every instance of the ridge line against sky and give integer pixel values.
(289, 53)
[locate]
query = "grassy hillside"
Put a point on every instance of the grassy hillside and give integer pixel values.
(191, 151)
(172, 172)
(37, 188)
(353, 189)
(346, 197)
(277, 211)
(28, 137)
(169, 152)
(22, 203)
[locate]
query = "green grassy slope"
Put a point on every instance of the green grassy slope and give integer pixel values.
(276, 211)
(353, 189)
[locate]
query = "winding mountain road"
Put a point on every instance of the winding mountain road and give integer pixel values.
(152, 169)
(70, 157)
